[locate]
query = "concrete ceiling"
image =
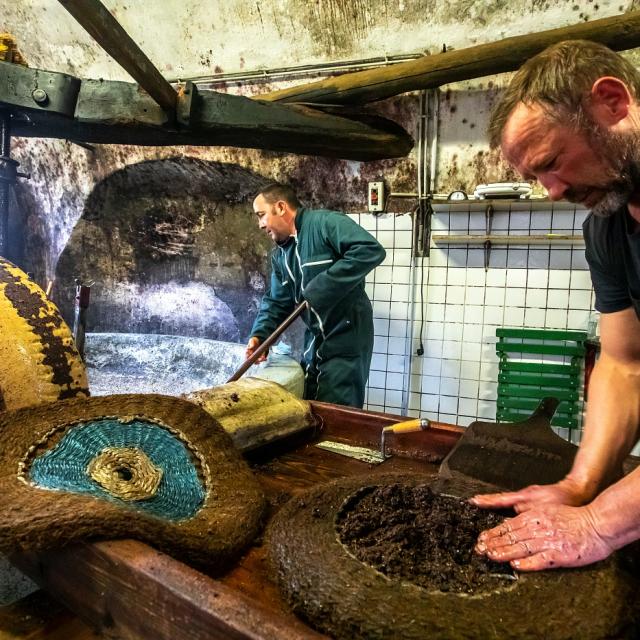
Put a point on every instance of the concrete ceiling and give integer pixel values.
(196, 37)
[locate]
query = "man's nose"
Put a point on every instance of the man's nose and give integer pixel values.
(556, 188)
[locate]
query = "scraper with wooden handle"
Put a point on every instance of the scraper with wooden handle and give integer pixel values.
(408, 426)
(371, 456)
(268, 342)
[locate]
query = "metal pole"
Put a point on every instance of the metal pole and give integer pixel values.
(7, 178)
(83, 293)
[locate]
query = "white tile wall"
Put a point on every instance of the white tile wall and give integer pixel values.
(451, 305)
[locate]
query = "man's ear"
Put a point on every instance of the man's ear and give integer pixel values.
(281, 207)
(610, 101)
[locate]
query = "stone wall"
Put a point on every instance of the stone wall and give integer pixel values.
(172, 246)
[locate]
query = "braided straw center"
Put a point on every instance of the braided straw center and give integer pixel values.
(125, 473)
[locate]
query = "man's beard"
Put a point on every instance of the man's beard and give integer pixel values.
(614, 200)
(621, 152)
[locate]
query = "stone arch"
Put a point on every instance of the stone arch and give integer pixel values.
(172, 247)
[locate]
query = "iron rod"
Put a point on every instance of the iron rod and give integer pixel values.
(5, 182)
(299, 70)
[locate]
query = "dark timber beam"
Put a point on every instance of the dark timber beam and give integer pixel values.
(126, 589)
(110, 35)
(618, 32)
(47, 104)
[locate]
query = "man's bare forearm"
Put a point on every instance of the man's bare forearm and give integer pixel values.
(616, 511)
(611, 429)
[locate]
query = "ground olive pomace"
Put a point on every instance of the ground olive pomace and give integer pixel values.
(346, 598)
(411, 533)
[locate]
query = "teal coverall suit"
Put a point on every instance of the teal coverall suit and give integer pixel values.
(325, 263)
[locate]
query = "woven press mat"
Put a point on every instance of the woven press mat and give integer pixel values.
(38, 358)
(150, 467)
(348, 597)
(255, 412)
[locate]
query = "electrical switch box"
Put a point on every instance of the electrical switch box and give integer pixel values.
(376, 196)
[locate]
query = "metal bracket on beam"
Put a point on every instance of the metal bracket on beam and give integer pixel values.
(38, 90)
(187, 99)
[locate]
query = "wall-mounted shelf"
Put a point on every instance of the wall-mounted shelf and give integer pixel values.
(488, 239)
(503, 204)
(546, 238)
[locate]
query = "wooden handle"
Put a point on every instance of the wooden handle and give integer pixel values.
(408, 426)
(268, 342)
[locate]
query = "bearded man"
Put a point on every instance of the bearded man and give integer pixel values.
(570, 118)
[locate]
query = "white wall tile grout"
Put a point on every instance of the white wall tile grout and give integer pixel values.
(455, 380)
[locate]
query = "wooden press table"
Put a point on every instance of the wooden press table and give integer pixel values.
(126, 589)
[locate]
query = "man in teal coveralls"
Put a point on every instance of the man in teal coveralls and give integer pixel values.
(321, 257)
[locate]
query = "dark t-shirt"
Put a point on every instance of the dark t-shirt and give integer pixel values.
(613, 253)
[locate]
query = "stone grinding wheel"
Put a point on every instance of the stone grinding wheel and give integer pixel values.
(38, 358)
(341, 596)
(150, 467)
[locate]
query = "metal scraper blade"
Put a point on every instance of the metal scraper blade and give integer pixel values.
(511, 455)
(364, 454)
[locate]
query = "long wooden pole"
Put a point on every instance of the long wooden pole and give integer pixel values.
(618, 32)
(268, 342)
(110, 35)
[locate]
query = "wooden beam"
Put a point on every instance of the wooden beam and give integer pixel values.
(110, 35)
(109, 112)
(126, 589)
(618, 32)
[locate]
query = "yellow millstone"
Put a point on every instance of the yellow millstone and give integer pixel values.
(125, 473)
(38, 358)
(9, 50)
